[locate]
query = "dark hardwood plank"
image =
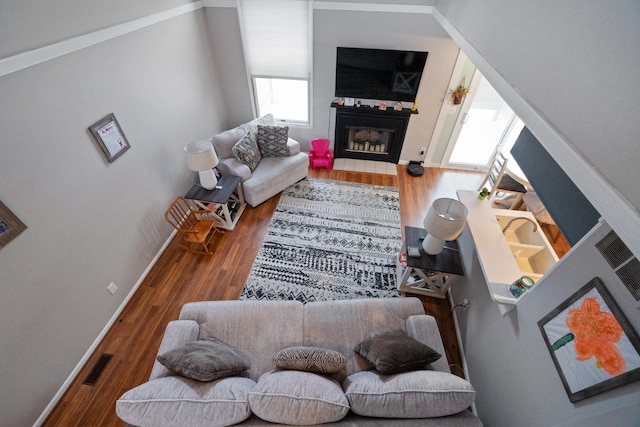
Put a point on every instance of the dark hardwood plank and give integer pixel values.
(180, 276)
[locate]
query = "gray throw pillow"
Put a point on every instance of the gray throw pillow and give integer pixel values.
(205, 360)
(417, 394)
(178, 401)
(246, 151)
(395, 352)
(272, 141)
(310, 359)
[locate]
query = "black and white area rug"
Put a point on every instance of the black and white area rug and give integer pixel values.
(329, 240)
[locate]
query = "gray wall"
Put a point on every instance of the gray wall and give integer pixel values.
(508, 363)
(575, 63)
(90, 222)
(333, 28)
(570, 61)
(31, 24)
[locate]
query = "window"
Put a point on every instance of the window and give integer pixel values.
(286, 99)
(276, 37)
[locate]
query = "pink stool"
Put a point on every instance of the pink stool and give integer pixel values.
(321, 155)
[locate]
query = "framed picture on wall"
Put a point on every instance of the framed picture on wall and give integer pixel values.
(593, 346)
(109, 136)
(10, 225)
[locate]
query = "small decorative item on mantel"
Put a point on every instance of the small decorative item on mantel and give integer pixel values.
(398, 106)
(483, 193)
(382, 106)
(459, 93)
(414, 106)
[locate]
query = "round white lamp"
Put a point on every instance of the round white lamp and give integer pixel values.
(202, 158)
(444, 221)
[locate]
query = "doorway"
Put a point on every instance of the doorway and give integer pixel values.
(485, 122)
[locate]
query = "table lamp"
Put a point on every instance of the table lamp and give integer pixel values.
(444, 221)
(202, 158)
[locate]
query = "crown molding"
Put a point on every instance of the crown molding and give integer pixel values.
(33, 57)
(343, 6)
(372, 7)
(21, 61)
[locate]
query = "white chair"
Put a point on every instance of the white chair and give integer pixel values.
(498, 181)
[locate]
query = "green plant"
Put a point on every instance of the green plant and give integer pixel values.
(483, 193)
(458, 94)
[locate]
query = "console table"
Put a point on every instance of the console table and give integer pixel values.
(226, 201)
(430, 275)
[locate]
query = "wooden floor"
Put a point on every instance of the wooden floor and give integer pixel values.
(179, 277)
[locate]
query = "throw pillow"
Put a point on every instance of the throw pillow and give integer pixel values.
(178, 401)
(395, 352)
(205, 360)
(272, 141)
(298, 398)
(223, 142)
(418, 394)
(246, 151)
(252, 126)
(310, 359)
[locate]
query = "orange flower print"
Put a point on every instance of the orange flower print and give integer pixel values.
(596, 333)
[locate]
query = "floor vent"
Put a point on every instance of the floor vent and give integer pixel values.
(97, 370)
(621, 259)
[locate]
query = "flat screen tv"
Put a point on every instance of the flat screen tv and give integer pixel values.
(390, 75)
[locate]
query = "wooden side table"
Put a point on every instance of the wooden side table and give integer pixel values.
(430, 275)
(226, 201)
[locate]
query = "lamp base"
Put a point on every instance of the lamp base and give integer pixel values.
(432, 245)
(208, 179)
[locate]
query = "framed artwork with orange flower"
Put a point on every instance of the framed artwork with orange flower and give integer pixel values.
(591, 342)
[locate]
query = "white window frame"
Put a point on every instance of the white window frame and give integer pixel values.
(289, 119)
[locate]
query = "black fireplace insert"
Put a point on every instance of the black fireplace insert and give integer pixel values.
(368, 133)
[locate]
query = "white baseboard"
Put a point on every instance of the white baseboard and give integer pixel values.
(99, 338)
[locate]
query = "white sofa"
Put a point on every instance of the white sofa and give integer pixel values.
(431, 396)
(272, 175)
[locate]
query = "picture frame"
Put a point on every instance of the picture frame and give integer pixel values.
(382, 106)
(10, 225)
(110, 137)
(593, 346)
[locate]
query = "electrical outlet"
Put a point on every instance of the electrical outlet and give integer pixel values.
(112, 288)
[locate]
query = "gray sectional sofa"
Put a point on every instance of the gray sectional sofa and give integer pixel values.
(356, 395)
(273, 173)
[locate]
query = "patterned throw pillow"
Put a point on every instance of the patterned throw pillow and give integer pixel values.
(310, 359)
(246, 150)
(272, 141)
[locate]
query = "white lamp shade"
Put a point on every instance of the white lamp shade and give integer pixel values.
(201, 156)
(444, 221)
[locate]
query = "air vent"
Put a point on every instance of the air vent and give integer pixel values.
(97, 370)
(622, 261)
